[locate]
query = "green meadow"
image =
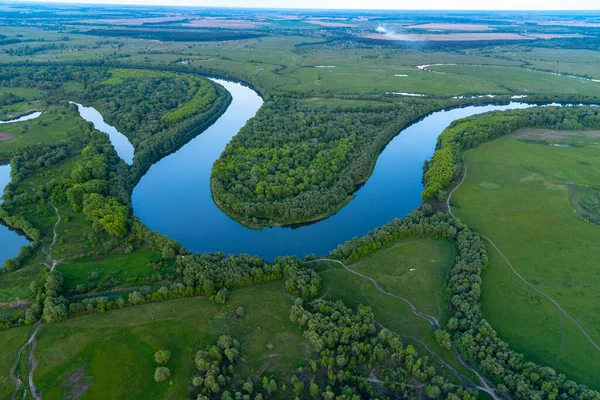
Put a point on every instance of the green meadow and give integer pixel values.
(415, 269)
(529, 214)
(111, 355)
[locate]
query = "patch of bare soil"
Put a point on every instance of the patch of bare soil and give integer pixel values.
(551, 135)
(452, 27)
(14, 303)
(76, 384)
(451, 37)
(555, 35)
(223, 23)
(329, 24)
(139, 21)
(6, 136)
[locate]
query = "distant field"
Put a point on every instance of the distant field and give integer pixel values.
(451, 27)
(523, 81)
(223, 23)
(138, 21)
(528, 214)
(329, 24)
(112, 354)
(450, 37)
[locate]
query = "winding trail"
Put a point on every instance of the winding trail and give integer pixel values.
(35, 392)
(562, 310)
(486, 386)
(54, 262)
(430, 318)
(31, 362)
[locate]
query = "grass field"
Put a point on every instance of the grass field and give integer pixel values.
(113, 353)
(522, 81)
(391, 267)
(12, 340)
(118, 266)
(50, 127)
(531, 219)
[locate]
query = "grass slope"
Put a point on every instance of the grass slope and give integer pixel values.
(112, 354)
(529, 216)
(391, 266)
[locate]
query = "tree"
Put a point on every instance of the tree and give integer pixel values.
(433, 391)
(162, 374)
(221, 296)
(135, 298)
(162, 356)
(443, 339)
(248, 386)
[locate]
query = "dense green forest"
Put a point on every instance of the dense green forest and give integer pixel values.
(294, 163)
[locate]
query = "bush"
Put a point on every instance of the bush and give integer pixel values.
(162, 374)
(162, 356)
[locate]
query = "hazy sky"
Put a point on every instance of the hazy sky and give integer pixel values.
(369, 4)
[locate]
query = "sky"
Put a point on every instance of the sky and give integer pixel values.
(365, 4)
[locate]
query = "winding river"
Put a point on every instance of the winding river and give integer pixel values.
(10, 241)
(123, 147)
(174, 196)
(23, 118)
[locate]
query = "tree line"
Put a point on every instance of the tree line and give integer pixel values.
(471, 332)
(446, 163)
(354, 356)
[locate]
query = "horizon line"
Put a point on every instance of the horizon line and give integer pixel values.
(118, 3)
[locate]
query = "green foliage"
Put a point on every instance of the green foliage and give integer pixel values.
(162, 374)
(214, 366)
(55, 305)
(76, 193)
(299, 278)
(352, 351)
(221, 296)
(446, 163)
(202, 100)
(162, 356)
(209, 273)
(293, 163)
(106, 213)
(443, 339)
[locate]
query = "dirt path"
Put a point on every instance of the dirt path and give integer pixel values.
(486, 387)
(31, 362)
(430, 318)
(53, 262)
(35, 393)
(562, 310)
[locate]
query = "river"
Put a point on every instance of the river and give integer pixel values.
(123, 147)
(23, 118)
(10, 241)
(174, 197)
